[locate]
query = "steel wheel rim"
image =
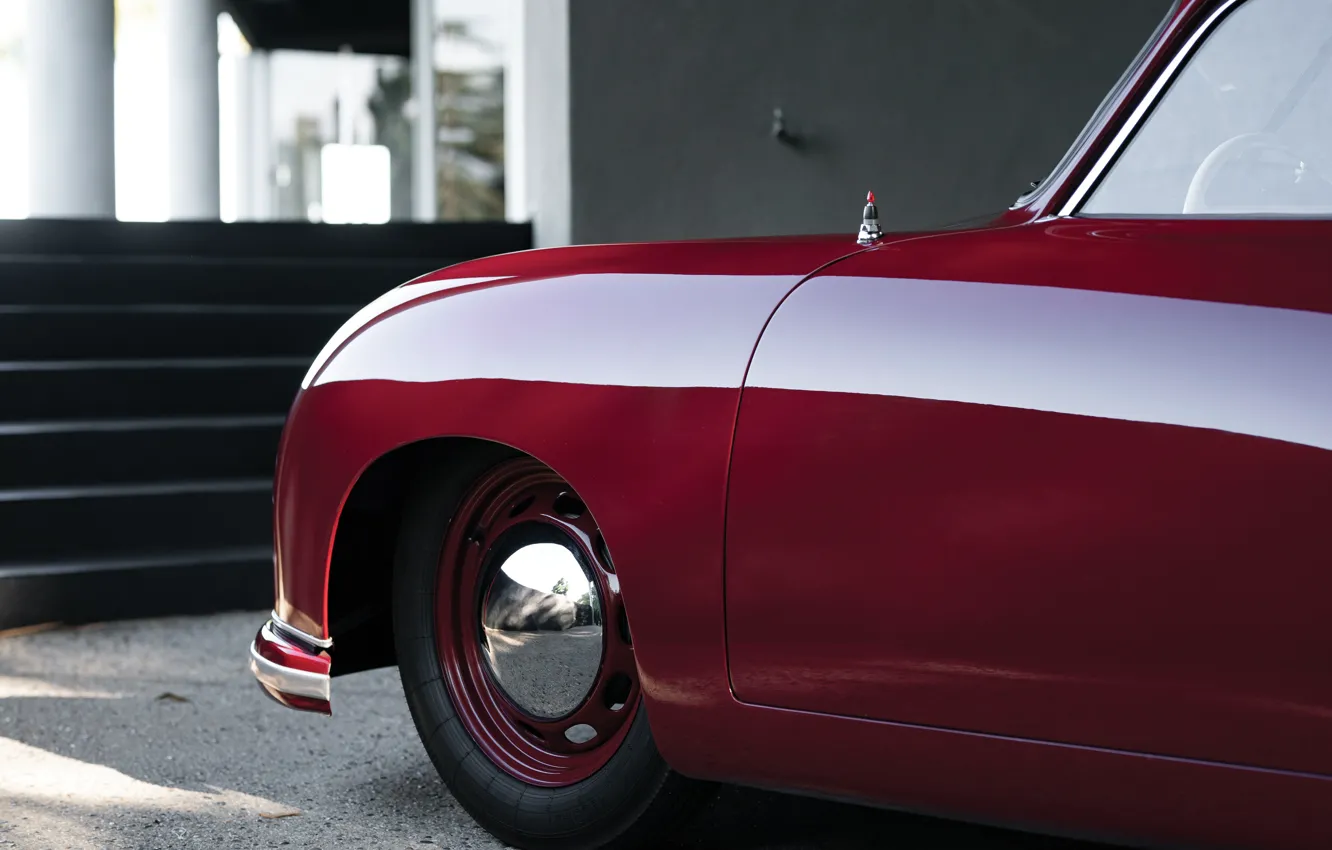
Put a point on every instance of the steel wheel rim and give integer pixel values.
(516, 495)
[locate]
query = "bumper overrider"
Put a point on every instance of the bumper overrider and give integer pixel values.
(292, 667)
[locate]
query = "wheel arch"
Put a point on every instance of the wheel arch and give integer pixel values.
(361, 557)
(360, 571)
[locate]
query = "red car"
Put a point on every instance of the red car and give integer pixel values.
(1029, 523)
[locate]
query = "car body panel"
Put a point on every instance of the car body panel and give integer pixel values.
(1073, 509)
(1136, 799)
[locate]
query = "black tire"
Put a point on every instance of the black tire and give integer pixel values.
(632, 801)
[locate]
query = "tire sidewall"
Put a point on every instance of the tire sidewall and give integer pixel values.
(590, 813)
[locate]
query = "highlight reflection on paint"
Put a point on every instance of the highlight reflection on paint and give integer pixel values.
(1260, 371)
(650, 330)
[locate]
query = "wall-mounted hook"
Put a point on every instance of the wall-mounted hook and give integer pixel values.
(780, 131)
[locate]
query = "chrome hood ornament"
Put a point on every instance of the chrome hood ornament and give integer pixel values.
(869, 224)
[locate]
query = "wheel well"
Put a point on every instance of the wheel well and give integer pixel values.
(360, 580)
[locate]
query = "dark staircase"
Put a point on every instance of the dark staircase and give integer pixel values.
(145, 372)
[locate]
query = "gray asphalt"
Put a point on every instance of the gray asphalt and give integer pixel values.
(151, 734)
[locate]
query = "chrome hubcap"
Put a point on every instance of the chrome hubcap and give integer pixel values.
(541, 623)
(531, 628)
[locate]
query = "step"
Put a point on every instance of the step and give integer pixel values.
(78, 280)
(120, 390)
(65, 454)
(174, 583)
(60, 524)
(450, 242)
(77, 334)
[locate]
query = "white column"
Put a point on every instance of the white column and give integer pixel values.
(192, 108)
(424, 179)
(232, 91)
(516, 206)
(71, 118)
(546, 121)
(259, 137)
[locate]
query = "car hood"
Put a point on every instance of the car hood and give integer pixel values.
(792, 255)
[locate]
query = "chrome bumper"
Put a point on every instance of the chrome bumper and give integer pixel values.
(292, 667)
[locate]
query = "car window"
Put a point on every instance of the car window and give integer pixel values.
(1244, 129)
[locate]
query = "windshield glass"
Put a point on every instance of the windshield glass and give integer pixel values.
(1244, 126)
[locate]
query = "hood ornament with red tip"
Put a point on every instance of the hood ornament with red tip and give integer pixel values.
(869, 225)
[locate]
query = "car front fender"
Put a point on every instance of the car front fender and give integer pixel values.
(625, 383)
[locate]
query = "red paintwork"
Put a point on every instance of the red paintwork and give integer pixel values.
(776, 255)
(317, 466)
(501, 730)
(1266, 263)
(1125, 584)
(1070, 623)
(1137, 586)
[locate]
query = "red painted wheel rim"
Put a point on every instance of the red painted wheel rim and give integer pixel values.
(525, 492)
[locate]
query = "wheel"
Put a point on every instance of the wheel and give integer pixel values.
(518, 664)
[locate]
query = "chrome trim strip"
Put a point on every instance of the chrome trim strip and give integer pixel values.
(1149, 100)
(299, 683)
(301, 637)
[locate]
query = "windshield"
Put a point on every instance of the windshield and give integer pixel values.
(1243, 127)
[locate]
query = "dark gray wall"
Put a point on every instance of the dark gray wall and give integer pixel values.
(946, 108)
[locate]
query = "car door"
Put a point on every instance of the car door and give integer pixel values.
(1070, 480)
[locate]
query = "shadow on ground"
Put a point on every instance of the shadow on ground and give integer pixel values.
(152, 734)
(747, 819)
(750, 819)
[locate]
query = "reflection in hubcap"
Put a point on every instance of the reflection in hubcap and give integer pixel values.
(542, 628)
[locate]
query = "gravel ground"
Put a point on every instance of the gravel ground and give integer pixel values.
(151, 734)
